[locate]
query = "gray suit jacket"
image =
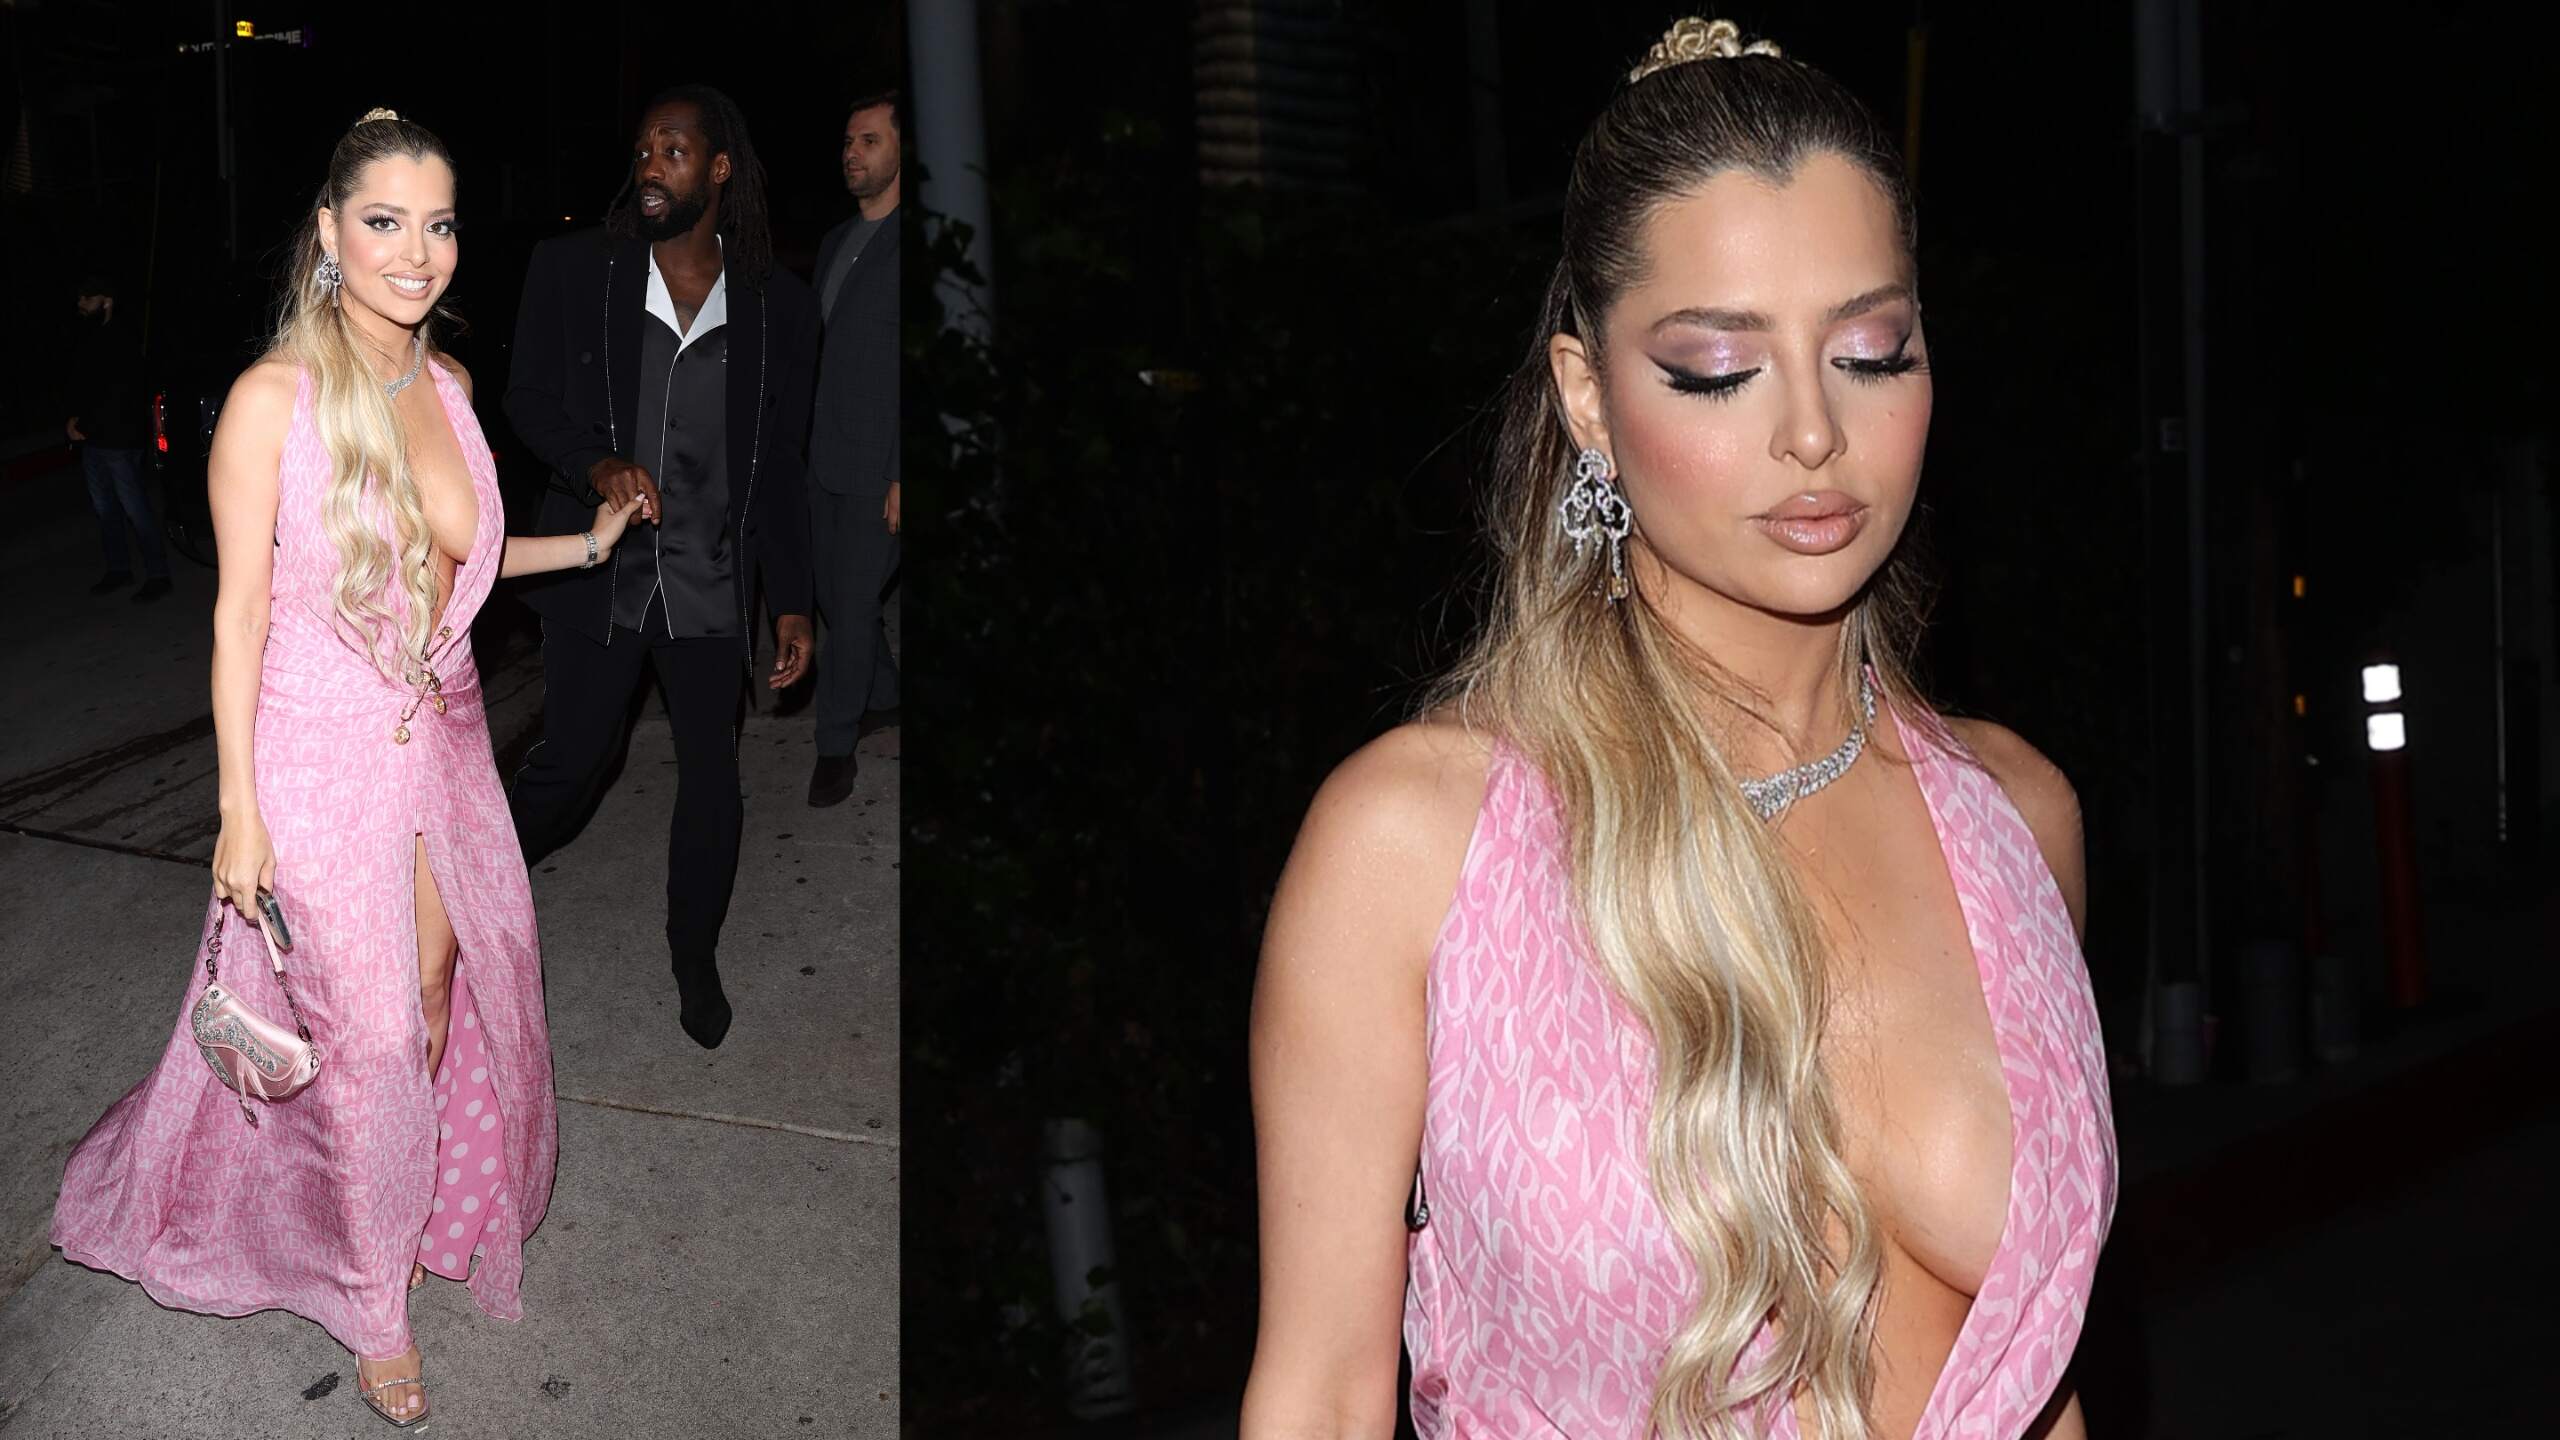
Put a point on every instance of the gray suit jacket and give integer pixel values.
(853, 423)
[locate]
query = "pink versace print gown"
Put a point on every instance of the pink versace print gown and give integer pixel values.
(1546, 1283)
(321, 1207)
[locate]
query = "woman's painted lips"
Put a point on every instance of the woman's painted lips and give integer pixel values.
(1814, 524)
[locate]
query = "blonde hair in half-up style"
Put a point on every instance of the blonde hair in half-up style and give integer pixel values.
(368, 460)
(1691, 909)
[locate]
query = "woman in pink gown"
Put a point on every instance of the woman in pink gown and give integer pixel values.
(357, 512)
(1680, 1029)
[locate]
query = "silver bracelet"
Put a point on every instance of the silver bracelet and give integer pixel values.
(590, 561)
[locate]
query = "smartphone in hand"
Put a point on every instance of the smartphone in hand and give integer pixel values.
(271, 916)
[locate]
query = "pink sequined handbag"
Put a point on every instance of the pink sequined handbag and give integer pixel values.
(250, 1053)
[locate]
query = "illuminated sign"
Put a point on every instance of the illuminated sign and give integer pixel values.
(2386, 731)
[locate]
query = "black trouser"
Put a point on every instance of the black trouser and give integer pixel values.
(586, 688)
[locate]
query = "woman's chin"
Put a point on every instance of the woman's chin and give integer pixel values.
(1810, 589)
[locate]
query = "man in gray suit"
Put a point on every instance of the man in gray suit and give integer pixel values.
(853, 449)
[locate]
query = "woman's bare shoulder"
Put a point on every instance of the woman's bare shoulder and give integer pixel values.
(2044, 798)
(268, 384)
(454, 368)
(1387, 834)
(1414, 789)
(2035, 784)
(259, 408)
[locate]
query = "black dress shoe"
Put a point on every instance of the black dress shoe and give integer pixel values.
(875, 720)
(151, 590)
(112, 580)
(702, 1008)
(831, 781)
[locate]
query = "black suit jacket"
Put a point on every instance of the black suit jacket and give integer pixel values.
(585, 299)
(853, 437)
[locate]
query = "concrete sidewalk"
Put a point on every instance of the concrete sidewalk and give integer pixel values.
(719, 1258)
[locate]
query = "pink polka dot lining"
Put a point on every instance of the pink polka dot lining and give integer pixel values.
(463, 1189)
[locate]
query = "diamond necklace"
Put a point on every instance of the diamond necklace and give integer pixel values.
(1776, 793)
(417, 358)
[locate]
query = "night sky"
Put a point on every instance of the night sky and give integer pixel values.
(534, 99)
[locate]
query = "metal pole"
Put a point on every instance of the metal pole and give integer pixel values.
(2191, 197)
(2176, 989)
(222, 128)
(2498, 640)
(1083, 1269)
(951, 144)
(1915, 75)
(2395, 843)
(2394, 829)
(1484, 77)
(151, 254)
(551, 204)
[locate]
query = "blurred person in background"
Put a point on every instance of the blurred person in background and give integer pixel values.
(853, 448)
(111, 423)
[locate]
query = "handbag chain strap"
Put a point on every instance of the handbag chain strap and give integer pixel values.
(212, 972)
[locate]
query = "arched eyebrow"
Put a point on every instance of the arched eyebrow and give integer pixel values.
(1717, 318)
(445, 213)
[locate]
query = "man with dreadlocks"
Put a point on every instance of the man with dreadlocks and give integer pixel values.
(665, 358)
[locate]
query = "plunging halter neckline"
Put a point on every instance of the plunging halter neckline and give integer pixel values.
(1503, 1076)
(1992, 982)
(444, 416)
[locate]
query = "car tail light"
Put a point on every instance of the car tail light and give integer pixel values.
(160, 420)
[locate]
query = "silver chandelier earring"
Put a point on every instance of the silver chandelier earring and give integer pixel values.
(1595, 512)
(329, 275)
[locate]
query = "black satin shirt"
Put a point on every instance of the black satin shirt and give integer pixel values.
(686, 559)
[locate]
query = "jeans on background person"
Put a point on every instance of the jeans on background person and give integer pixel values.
(116, 493)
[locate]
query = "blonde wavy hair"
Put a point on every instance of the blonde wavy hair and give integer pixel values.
(368, 456)
(1691, 909)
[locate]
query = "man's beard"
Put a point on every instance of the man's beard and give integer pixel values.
(873, 181)
(683, 212)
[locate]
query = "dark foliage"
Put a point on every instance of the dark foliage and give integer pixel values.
(1206, 521)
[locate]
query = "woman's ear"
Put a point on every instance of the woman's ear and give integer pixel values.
(1577, 383)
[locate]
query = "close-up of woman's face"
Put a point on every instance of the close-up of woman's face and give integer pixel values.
(1765, 389)
(395, 237)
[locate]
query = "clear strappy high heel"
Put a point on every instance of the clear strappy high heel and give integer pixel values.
(371, 1396)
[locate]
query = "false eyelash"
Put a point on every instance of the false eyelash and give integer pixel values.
(1885, 369)
(1712, 386)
